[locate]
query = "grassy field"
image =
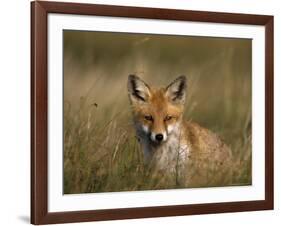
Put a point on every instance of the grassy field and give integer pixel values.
(101, 153)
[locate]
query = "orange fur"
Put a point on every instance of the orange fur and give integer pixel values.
(159, 107)
(158, 111)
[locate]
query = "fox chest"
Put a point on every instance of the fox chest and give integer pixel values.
(171, 154)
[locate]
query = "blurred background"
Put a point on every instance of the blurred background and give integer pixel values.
(100, 152)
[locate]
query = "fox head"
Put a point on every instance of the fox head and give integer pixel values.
(157, 111)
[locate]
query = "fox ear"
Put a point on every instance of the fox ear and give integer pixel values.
(138, 90)
(176, 91)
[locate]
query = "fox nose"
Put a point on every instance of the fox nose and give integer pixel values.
(159, 137)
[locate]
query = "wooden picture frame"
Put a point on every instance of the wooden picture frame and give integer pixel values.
(39, 112)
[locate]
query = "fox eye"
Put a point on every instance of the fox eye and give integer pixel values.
(148, 117)
(168, 117)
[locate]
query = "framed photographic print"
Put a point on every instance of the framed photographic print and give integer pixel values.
(147, 112)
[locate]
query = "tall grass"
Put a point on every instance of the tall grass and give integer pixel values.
(101, 152)
(107, 157)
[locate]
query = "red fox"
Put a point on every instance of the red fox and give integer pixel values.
(164, 136)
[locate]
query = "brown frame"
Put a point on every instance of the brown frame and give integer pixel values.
(39, 107)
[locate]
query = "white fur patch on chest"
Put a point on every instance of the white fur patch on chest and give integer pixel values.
(171, 155)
